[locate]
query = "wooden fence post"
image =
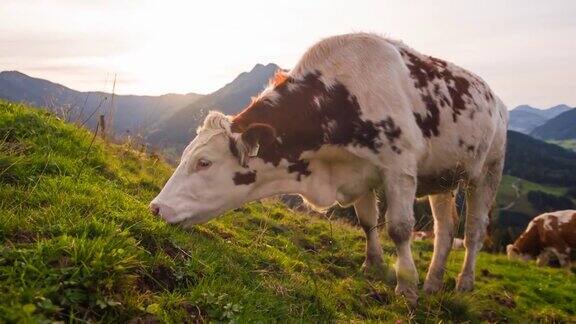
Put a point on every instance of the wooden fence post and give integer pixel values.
(103, 127)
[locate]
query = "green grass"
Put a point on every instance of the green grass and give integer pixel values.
(77, 243)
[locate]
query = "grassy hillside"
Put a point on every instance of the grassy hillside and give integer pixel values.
(513, 194)
(77, 244)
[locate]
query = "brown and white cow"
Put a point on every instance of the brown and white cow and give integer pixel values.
(549, 234)
(359, 115)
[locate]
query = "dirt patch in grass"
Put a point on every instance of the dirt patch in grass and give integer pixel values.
(192, 313)
(195, 313)
(220, 232)
(269, 266)
(172, 250)
(505, 300)
(146, 319)
(490, 316)
(379, 297)
(22, 237)
(162, 277)
(277, 216)
(305, 244)
(62, 262)
(344, 261)
(486, 273)
(327, 240)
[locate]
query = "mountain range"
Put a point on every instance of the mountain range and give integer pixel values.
(561, 127)
(166, 121)
(131, 113)
(179, 128)
(169, 121)
(525, 118)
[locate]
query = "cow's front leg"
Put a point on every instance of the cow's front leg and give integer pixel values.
(400, 191)
(367, 212)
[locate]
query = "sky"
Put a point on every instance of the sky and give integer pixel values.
(525, 49)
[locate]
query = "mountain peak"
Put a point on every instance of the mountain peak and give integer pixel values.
(260, 73)
(13, 74)
(524, 108)
(562, 107)
(261, 67)
(547, 113)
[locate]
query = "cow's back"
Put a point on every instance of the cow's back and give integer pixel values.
(552, 230)
(559, 225)
(446, 117)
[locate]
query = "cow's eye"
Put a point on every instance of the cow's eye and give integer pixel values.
(202, 164)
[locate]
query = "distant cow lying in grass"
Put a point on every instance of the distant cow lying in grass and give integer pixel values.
(359, 116)
(457, 243)
(548, 235)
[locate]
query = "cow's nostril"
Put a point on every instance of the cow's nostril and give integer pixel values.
(155, 209)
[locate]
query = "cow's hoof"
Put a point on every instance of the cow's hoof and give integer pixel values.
(432, 286)
(377, 270)
(465, 283)
(370, 267)
(410, 292)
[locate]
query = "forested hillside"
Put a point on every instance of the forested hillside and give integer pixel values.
(540, 162)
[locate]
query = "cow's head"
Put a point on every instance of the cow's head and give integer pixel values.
(514, 254)
(215, 173)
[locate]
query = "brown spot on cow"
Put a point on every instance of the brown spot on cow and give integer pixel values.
(429, 123)
(300, 168)
(305, 124)
(429, 74)
(392, 133)
(233, 148)
(244, 178)
(489, 96)
(462, 144)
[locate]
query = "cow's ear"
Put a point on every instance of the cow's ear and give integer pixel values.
(257, 136)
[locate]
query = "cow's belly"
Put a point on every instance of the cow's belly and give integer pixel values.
(354, 180)
(443, 181)
(456, 156)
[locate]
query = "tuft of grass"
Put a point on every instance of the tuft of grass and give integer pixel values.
(82, 246)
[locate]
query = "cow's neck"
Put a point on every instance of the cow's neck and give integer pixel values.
(308, 116)
(317, 187)
(334, 176)
(529, 241)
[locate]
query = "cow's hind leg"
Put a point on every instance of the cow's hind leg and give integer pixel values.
(479, 199)
(367, 212)
(444, 211)
(400, 192)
